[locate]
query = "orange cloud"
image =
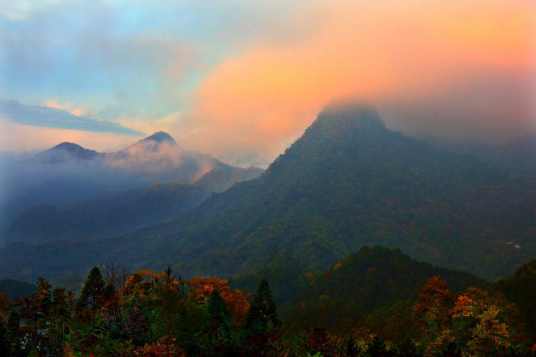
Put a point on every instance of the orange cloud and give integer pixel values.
(383, 51)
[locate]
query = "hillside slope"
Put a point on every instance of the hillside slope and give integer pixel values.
(121, 213)
(347, 182)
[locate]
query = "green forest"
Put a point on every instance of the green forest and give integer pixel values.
(376, 302)
(348, 182)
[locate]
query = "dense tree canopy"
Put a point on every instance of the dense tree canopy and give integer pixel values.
(157, 314)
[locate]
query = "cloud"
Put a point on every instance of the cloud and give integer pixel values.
(49, 117)
(468, 67)
(68, 107)
(242, 80)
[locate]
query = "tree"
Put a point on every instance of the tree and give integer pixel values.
(237, 304)
(479, 322)
(260, 332)
(92, 291)
(264, 301)
(433, 306)
(219, 339)
(169, 299)
(255, 320)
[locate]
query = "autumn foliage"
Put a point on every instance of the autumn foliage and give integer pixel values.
(236, 302)
(157, 314)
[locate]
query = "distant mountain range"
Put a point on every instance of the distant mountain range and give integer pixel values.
(123, 212)
(66, 151)
(347, 182)
(157, 158)
(68, 174)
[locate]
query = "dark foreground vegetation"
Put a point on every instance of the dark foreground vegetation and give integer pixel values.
(377, 302)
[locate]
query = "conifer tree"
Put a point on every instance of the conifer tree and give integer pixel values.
(218, 330)
(92, 291)
(260, 331)
(254, 319)
(264, 301)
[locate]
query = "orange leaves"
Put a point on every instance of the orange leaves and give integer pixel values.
(236, 302)
(474, 317)
(202, 288)
(462, 307)
(144, 280)
(434, 304)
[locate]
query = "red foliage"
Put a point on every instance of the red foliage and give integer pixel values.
(434, 303)
(201, 288)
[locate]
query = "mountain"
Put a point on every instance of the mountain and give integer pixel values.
(121, 213)
(16, 289)
(156, 143)
(68, 173)
(521, 290)
(347, 182)
(107, 217)
(160, 137)
(373, 278)
(220, 179)
(66, 152)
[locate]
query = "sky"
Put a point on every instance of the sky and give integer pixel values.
(242, 80)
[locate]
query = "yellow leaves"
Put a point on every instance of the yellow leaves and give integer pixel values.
(337, 266)
(488, 331)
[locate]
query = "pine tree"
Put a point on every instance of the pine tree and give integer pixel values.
(92, 292)
(218, 331)
(260, 332)
(255, 319)
(217, 311)
(263, 299)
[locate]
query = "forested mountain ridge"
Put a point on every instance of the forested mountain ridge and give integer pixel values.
(371, 278)
(347, 182)
(521, 290)
(121, 213)
(107, 217)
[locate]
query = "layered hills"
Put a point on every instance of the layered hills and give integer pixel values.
(69, 174)
(349, 181)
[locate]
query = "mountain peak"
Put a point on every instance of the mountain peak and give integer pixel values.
(60, 152)
(67, 146)
(350, 113)
(160, 137)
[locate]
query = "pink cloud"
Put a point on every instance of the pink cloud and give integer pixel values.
(395, 54)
